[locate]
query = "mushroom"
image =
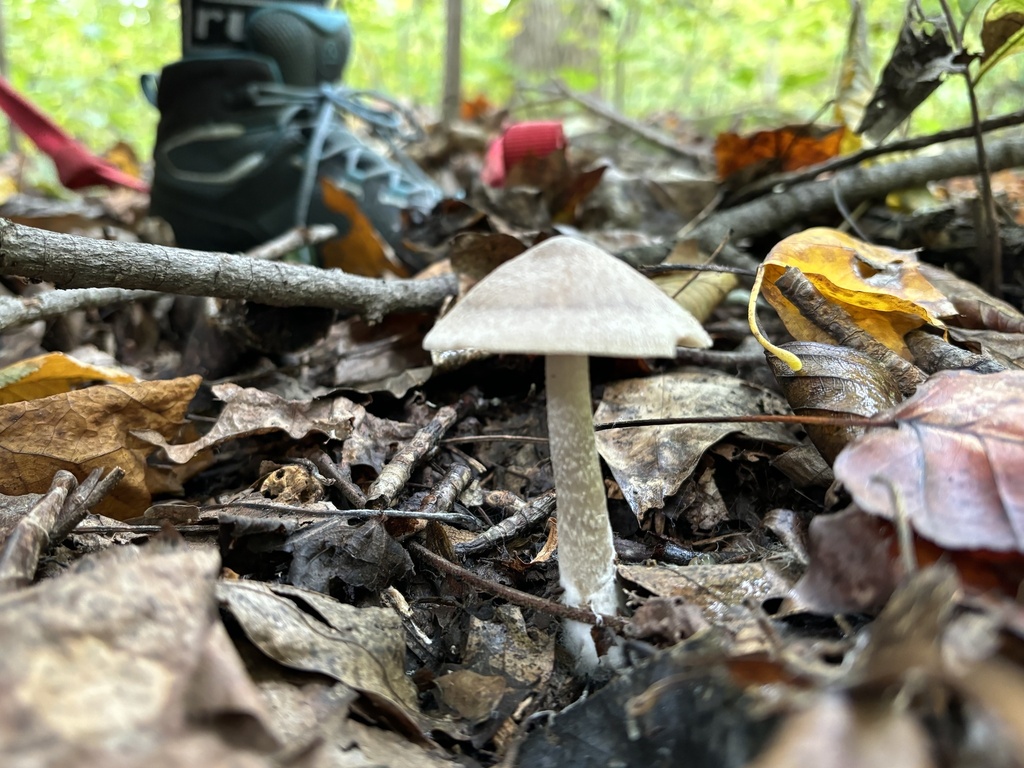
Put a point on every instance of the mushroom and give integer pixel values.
(567, 299)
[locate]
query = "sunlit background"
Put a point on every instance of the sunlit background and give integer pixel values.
(718, 64)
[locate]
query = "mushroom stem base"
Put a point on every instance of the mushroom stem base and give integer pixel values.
(586, 557)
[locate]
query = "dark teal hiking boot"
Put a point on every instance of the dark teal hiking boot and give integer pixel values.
(251, 123)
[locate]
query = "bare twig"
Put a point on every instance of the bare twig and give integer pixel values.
(514, 525)
(514, 596)
(854, 186)
(292, 240)
(15, 312)
(76, 262)
(30, 537)
(647, 134)
(396, 473)
(446, 492)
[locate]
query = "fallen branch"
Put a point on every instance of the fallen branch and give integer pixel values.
(650, 135)
(80, 262)
(761, 186)
(775, 211)
(14, 311)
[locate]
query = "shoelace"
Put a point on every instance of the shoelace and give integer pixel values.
(391, 123)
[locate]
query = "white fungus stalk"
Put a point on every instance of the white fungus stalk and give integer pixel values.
(566, 299)
(586, 558)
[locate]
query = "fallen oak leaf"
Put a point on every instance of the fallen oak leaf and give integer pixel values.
(89, 428)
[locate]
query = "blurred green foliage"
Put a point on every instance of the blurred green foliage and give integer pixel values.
(721, 64)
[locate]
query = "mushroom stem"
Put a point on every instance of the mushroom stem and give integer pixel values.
(586, 557)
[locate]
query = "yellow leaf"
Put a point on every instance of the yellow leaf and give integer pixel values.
(882, 289)
(52, 374)
(697, 292)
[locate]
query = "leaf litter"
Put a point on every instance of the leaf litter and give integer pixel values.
(275, 606)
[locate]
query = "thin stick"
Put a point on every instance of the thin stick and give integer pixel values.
(514, 596)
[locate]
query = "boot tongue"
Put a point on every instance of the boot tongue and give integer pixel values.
(309, 44)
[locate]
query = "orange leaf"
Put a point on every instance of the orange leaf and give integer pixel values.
(359, 250)
(52, 374)
(475, 108)
(783, 149)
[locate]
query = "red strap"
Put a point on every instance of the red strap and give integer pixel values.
(77, 167)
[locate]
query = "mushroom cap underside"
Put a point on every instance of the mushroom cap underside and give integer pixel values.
(567, 297)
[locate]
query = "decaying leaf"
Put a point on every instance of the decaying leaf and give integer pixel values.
(975, 308)
(834, 381)
(728, 596)
(363, 648)
(836, 731)
(251, 411)
(882, 289)
(52, 374)
(88, 428)
(853, 565)
(919, 63)
(1002, 33)
(782, 149)
(119, 662)
(954, 464)
(651, 463)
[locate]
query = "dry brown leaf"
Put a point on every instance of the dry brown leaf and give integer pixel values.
(651, 463)
(853, 565)
(834, 381)
(953, 466)
(699, 293)
(882, 289)
(252, 411)
(89, 428)
(362, 648)
(836, 731)
(125, 662)
(975, 308)
(1005, 348)
(727, 595)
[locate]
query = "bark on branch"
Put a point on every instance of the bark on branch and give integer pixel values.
(852, 186)
(80, 262)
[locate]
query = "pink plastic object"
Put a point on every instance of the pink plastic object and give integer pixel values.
(77, 167)
(519, 142)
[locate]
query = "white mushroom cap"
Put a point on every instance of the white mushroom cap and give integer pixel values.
(567, 297)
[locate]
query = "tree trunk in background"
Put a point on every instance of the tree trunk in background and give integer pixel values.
(627, 28)
(452, 64)
(557, 35)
